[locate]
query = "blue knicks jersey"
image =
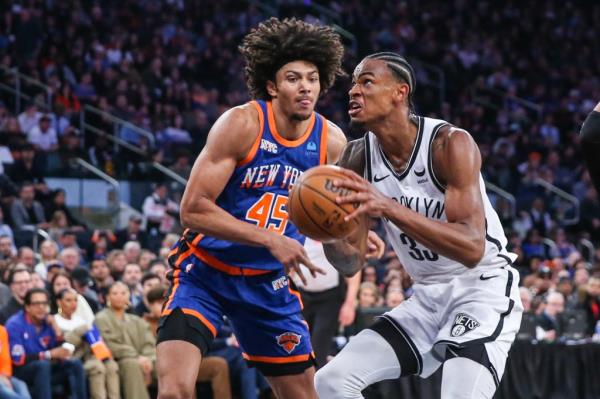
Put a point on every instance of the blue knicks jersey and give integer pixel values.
(257, 192)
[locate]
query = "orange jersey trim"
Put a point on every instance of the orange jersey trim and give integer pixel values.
(224, 267)
(175, 286)
(324, 131)
(197, 239)
(197, 315)
(278, 360)
(261, 121)
(297, 294)
(282, 140)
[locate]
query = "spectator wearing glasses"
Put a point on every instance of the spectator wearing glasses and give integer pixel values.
(19, 281)
(36, 350)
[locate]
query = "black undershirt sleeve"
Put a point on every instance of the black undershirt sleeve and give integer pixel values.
(590, 145)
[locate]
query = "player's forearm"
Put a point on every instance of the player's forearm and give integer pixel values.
(345, 257)
(348, 256)
(456, 241)
(210, 219)
(353, 283)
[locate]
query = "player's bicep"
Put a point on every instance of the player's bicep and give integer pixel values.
(462, 165)
(227, 143)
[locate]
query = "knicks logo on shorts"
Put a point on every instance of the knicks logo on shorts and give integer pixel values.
(463, 323)
(288, 341)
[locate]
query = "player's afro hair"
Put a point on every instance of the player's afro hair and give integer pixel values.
(276, 42)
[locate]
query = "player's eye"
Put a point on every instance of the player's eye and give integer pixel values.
(292, 79)
(368, 82)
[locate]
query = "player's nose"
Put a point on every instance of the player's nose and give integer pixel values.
(354, 91)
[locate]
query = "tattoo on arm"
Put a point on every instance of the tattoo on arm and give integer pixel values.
(344, 257)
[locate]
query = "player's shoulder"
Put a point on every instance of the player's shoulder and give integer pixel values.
(236, 130)
(244, 115)
(336, 140)
(353, 156)
(453, 138)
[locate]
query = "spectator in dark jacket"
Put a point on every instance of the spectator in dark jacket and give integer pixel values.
(589, 300)
(19, 281)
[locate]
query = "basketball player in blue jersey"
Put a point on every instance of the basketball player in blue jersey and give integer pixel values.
(421, 176)
(238, 248)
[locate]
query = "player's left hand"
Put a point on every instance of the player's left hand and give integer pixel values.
(370, 201)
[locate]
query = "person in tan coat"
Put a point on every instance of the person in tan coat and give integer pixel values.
(103, 376)
(130, 340)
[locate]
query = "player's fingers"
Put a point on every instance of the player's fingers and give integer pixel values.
(353, 198)
(362, 209)
(301, 274)
(351, 174)
(351, 184)
(311, 266)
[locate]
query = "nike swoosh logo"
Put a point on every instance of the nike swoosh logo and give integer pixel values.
(482, 277)
(420, 173)
(378, 179)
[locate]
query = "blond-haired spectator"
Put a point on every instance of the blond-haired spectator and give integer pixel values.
(368, 295)
(48, 255)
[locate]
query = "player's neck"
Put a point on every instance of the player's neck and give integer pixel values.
(288, 127)
(397, 137)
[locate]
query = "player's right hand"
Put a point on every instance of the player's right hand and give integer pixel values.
(291, 254)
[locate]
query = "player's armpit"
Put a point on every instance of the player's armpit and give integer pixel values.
(353, 156)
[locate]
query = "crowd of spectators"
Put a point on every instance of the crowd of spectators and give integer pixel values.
(172, 67)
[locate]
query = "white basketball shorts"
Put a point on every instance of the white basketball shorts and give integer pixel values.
(481, 306)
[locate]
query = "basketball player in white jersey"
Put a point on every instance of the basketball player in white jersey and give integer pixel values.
(422, 177)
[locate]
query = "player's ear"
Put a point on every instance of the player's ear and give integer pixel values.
(271, 88)
(401, 92)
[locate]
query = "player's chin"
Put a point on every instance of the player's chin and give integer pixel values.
(301, 115)
(357, 122)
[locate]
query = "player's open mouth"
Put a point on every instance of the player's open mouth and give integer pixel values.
(354, 108)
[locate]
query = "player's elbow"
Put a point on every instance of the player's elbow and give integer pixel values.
(189, 213)
(475, 253)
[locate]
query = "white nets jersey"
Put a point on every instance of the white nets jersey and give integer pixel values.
(418, 189)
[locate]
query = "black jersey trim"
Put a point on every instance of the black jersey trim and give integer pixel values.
(413, 155)
(409, 357)
(497, 243)
(434, 178)
(369, 174)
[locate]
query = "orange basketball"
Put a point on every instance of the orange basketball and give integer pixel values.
(312, 207)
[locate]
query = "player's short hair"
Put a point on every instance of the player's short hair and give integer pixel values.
(275, 43)
(401, 70)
